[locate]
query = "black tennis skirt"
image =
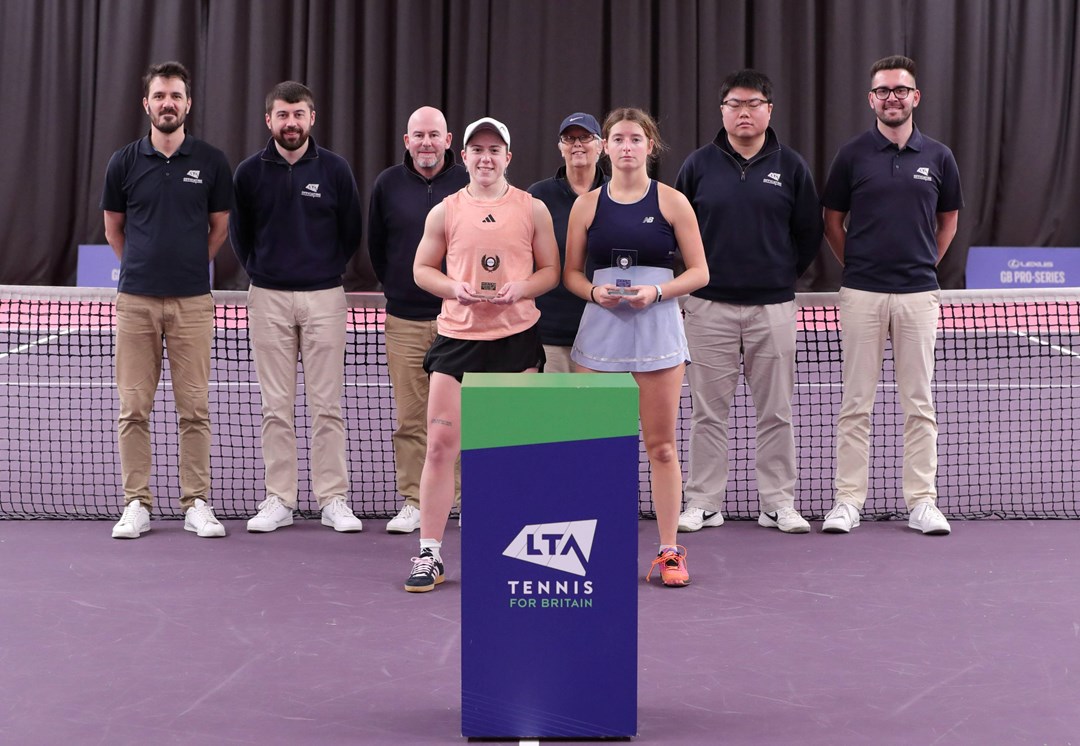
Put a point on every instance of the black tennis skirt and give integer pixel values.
(513, 354)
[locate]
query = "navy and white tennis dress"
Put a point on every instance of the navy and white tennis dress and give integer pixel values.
(623, 338)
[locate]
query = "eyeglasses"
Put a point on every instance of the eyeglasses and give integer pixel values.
(882, 93)
(571, 139)
(753, 104)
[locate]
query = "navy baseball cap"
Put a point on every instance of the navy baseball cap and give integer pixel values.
(580, 119)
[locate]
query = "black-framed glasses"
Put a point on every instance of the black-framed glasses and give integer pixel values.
(571, 139)
(881, 93)
(752, 104)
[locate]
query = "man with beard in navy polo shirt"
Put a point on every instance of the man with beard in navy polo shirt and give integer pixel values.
(899, 192)
(166, 203)
(580, 146)
(761, 226)
(401, 198)
(295, 224)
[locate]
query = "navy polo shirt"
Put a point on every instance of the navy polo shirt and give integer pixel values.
(892, 198)
(167, 204)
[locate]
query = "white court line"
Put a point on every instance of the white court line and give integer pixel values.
(1044, 343)
(35, 343)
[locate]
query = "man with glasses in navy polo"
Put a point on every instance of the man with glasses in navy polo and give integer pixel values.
(899, 193)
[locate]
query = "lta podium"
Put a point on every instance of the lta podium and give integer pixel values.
(549, 576)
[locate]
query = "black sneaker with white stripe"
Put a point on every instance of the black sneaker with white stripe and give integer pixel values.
(427, 572)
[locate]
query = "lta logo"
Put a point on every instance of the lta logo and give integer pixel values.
(560, 546)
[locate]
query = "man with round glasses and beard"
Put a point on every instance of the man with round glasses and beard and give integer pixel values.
(295, 223)
(166, 209)
(891, 204)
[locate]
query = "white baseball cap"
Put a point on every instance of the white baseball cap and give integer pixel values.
(487, 123)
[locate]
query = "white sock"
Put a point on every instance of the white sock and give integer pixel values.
(434, 545)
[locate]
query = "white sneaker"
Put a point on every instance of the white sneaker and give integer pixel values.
(272, 515)
(405, 522)
(841, 519)
(927, 518)
(340, 517)
(133, 523)
(787, 519)
(200, 519)
(695, 519)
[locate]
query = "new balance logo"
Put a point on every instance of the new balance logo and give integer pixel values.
(311, 190)
(489, 219)
(560, 546)
(648, 219)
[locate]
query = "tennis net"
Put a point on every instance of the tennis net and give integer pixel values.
(1005, 389)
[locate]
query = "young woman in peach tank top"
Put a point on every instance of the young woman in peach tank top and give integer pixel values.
(491, 236)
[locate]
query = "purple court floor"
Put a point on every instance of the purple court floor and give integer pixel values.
(305, 637)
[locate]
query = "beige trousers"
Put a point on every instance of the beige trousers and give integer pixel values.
(311, 324)
(866, 321)
(406, 344)
(186, 325)
(763, 338)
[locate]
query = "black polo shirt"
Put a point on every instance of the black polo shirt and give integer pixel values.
(892, 198)
(167, 204)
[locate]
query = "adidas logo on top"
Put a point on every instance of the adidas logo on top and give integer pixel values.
(489, 219)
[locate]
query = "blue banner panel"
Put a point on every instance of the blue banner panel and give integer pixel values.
(1022, 267)
(98, 267)
(549, 590)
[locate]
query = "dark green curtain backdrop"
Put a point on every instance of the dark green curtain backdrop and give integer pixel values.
(1000, 82)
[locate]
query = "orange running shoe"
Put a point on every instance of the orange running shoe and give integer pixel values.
(672, 563)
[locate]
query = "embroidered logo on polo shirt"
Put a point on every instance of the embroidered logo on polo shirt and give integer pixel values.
(923, 174)
(773, 178)
(311, 190)
(192, 177)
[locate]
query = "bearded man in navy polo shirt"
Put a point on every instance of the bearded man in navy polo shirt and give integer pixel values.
(900, 193)
(166, 203)
(295, 224)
